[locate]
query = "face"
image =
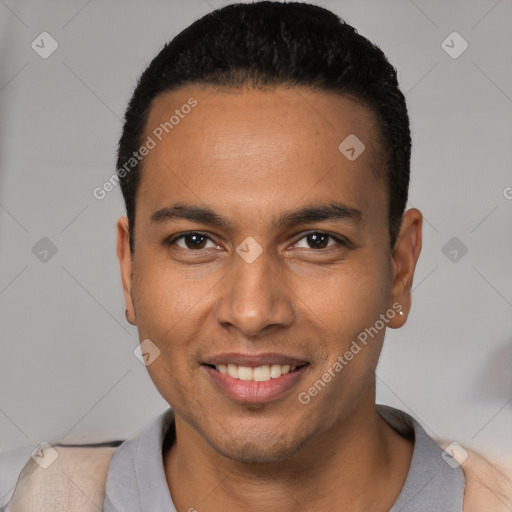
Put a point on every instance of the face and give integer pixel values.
(261, 254)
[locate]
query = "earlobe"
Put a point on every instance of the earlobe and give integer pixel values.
(405, 256)
(125, 263)
(128, 319)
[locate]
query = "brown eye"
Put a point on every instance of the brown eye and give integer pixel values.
(191, 241)
(319, 240)
(195, 241)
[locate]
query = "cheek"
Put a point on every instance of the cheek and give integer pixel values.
(169, 379)
(345, 311)
(348, 298)
(169, 313)
(167, 300)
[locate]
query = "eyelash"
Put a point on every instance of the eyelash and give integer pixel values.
(341, 241)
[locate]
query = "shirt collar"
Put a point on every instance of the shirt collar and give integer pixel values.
(431, 483)
(136, 479)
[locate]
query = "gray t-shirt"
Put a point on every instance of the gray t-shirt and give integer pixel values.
(136, 479)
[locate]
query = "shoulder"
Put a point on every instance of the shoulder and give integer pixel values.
(57, 474)
(488, 483)
(12, 462)
(431, 483)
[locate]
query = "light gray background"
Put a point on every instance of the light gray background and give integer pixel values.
(67, 369)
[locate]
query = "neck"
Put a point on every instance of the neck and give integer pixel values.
(361, 464)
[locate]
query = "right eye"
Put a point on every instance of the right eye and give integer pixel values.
(192, 240)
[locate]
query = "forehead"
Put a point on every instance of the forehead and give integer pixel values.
(254, 148)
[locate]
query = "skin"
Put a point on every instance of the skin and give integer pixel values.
(250, 156)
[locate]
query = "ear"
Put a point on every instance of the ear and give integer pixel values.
(405, 256)
(125, 262)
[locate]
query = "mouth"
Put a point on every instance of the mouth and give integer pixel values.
(256, 374)
(255, 379)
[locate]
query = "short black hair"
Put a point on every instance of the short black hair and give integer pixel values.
(269, 44)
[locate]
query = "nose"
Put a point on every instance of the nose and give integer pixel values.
(254, 297)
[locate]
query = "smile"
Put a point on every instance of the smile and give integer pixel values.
(258, 374)
(248, 381)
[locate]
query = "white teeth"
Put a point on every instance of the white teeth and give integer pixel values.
(275, 371)
(244, 373)
(259, 374)
(232, 370)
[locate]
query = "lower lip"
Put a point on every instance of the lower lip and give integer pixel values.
(255, 392)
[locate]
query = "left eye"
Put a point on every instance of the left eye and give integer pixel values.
(318, 240)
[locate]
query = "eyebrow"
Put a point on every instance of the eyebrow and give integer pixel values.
(305, 215)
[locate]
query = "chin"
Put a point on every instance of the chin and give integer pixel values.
(256, 448)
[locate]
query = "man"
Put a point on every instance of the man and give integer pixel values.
(264, 163)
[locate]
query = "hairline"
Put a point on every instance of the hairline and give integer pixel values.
(380, 157)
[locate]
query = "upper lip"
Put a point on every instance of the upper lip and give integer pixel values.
(254, 360)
